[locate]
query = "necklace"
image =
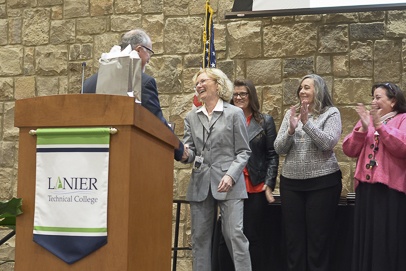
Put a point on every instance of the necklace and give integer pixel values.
(385, 119)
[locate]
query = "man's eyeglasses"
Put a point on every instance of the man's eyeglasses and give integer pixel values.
(150, 52)
(241, 94)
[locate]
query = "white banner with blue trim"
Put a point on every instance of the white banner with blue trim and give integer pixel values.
(70, 217)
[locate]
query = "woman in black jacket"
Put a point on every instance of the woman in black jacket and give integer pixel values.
(261, 170)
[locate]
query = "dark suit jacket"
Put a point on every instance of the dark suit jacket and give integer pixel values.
(149, 99)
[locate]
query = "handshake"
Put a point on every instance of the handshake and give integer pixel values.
(185, 155)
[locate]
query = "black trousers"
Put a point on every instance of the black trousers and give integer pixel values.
(308, 219)
(255, 225)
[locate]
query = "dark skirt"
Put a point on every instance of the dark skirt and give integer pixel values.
(379, 229)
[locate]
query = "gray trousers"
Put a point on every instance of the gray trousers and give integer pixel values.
(203, 215)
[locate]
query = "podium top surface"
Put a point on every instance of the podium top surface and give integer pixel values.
(87, 110)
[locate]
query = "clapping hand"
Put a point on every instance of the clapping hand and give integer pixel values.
(303, 116)
(304, 112)
(293, 120)
(363, 114)
(374, 112)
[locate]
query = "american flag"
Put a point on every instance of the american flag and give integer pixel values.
(209, 53)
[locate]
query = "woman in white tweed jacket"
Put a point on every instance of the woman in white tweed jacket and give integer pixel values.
(310, 182)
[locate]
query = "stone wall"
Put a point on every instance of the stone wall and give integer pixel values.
(44, 42)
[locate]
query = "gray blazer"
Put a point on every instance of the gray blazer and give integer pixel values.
(226, 152)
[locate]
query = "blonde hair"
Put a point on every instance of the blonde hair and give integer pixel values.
(224, 85)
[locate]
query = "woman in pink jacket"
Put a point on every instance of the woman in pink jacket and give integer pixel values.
(378, 140)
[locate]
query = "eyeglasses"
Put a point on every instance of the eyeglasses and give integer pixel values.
(241, 94)
(150, 52)
(203, 81)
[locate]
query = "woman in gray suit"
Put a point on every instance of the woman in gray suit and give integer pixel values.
(217, 138)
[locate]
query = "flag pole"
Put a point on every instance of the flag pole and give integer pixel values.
(205, 33)
(206, 47)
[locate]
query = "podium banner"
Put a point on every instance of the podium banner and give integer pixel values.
(70, 217)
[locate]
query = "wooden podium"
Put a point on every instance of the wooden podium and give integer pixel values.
(140, 182)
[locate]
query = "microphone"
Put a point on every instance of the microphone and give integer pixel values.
(83, 75)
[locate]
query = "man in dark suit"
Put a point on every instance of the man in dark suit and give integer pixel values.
(141, 43)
